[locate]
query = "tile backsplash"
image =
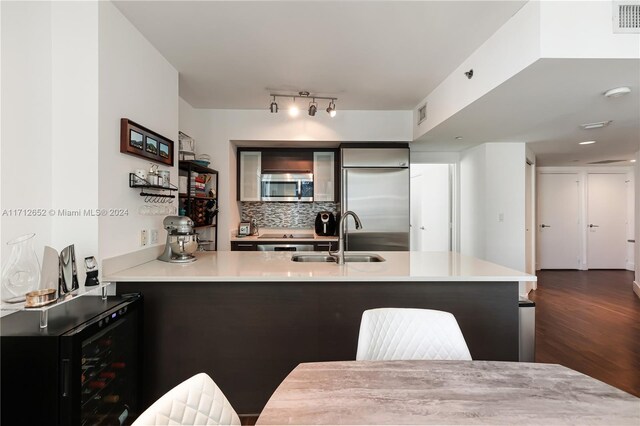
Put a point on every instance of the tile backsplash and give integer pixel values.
(285, 215)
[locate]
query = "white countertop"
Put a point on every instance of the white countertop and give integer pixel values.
(278, 266)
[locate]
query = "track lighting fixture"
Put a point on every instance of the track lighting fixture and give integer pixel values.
(313, 105)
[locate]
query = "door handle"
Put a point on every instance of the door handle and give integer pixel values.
(591, 225)
(422, 227)
(545, 226)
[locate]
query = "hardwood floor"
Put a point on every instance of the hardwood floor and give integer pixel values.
(590, 321)
(248, 419)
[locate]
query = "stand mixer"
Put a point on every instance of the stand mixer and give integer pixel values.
(182, 240)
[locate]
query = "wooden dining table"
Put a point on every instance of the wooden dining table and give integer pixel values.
(446, 392)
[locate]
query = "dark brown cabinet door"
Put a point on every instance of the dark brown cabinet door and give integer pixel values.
(238, 246)
(278, 161)
(326, 246)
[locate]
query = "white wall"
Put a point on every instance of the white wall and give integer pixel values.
(637, 223)
(492, 203)
(583, 29)
(423, 157)
(49, 117)
(25, 147)
(472, 201)
(74, 145)
(135, 82)
(214, 131)
(70, 71)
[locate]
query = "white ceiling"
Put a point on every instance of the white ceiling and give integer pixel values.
(545, 105)
(389, 56)
(371, 55)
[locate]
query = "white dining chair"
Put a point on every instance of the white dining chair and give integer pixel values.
(196, 401)
(410, 334)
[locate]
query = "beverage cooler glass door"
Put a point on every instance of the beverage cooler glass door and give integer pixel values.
(101, 369)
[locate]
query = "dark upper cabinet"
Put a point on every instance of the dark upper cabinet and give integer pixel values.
(288, 161)
(323, 163)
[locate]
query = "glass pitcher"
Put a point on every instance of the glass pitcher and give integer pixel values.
(21, 274)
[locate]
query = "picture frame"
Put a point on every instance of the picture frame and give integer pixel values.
(142, 142)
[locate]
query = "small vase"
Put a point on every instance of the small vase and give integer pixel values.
(21, 274)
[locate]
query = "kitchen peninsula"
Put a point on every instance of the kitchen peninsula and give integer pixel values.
(249, 318)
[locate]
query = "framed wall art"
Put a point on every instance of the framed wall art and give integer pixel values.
(144, 143)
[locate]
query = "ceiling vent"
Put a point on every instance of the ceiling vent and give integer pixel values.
(626, 16)
(422, 113)
(607, 161)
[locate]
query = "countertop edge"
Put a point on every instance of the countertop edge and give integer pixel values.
(248, 267)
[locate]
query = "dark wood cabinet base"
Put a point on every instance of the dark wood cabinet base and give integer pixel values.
(249, 335)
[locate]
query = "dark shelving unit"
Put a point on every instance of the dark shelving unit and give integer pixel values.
(187, 200)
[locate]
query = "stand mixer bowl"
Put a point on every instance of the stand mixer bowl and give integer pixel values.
(183, 244)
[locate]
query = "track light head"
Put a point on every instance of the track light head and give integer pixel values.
(331, 109)
(313, 108)
(274, 106)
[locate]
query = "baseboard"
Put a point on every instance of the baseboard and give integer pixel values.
(630, 266)
(636, 288)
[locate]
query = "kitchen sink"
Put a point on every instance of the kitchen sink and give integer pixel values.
(330, 259)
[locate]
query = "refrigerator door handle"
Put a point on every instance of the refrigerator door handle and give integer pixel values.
(343, 193)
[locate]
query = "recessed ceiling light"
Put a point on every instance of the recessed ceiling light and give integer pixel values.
(598, 125)
(632, 161)
(458, 138)
(586, 142)
(617, 92)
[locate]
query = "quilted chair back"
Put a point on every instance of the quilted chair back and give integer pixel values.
(196, 401)
(410, 334)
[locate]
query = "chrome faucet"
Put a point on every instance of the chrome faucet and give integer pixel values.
(339, 254)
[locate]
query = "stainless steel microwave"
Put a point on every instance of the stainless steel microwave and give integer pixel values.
(286, 187)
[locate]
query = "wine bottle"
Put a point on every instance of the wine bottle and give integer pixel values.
(107, 375)
(97, 384)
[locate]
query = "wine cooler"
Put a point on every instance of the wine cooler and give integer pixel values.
(83, 369)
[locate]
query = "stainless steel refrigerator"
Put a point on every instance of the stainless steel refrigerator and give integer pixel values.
(375, 185)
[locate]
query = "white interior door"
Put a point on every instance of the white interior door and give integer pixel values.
(606, 221)
(431, 207)
(558, 218)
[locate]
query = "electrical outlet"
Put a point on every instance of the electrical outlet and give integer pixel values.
(153, 236)
(144, 238)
